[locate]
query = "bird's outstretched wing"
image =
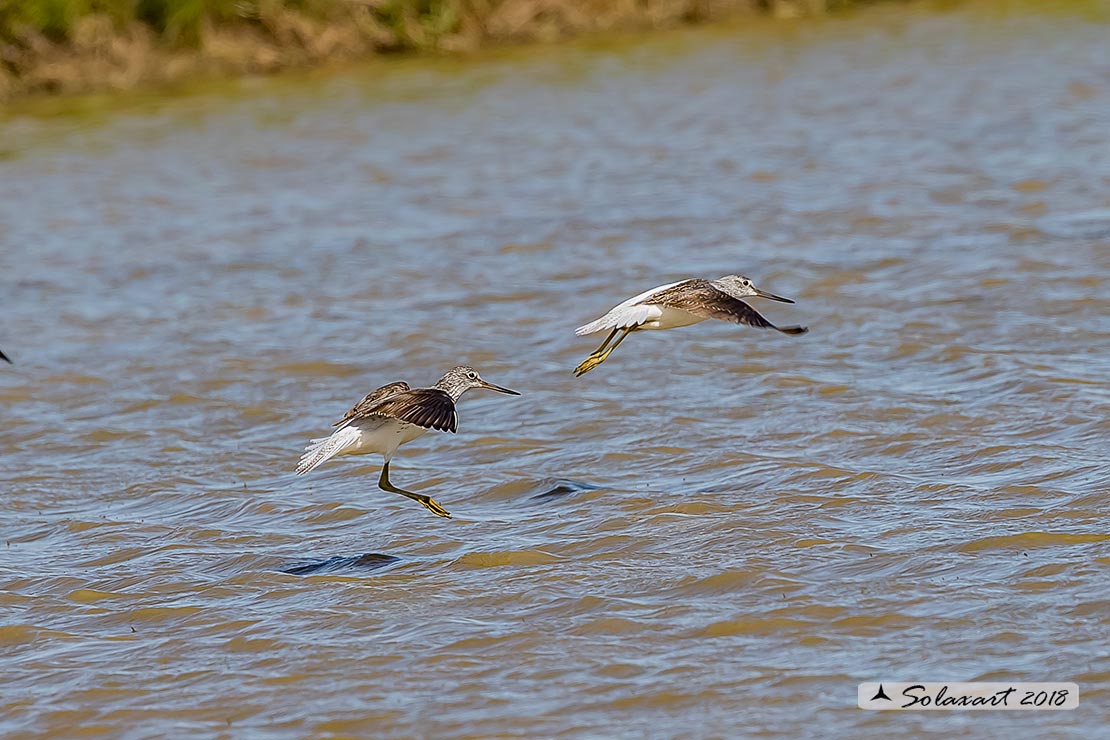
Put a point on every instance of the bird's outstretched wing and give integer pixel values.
(372, 399)
(636, 310)
(430, 408)
(710, 303)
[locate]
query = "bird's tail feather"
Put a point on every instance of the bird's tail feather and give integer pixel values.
(592, 327)
(321, 450)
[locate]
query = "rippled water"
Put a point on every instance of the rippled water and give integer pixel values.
(717, 533)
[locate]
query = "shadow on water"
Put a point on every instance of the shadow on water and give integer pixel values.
(367, 561)
(561, 488)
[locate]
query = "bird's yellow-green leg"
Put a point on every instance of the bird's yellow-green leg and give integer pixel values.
(591, 360)
(599, 355)
(596, 353)
(427, 501)
(605, 344)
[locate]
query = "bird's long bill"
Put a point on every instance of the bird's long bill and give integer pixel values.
(771, 296)
(4, 357)
(499, 389)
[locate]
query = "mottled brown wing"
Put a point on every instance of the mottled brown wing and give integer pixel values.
(372, 399)
(695, 288)
(708, 302)
(430, 408)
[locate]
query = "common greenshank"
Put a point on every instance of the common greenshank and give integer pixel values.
(680, 304)
(393, 415)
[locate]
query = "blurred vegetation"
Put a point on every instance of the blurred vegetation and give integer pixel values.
(57, 20)
(70, 45)
(183, 21)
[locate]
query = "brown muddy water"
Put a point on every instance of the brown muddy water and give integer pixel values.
(717, 533)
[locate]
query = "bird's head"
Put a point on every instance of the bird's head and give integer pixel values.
(464, 377)
(741, 286)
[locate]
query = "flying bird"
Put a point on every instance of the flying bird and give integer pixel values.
(680, 304)
(393, 415)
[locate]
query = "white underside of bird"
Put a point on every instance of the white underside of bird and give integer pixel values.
(638, 312)
(361, 437)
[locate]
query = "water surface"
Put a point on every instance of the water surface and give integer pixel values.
(717, 533)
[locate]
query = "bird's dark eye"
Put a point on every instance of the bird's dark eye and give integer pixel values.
(472, 375)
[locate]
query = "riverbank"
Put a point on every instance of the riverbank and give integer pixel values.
(72, 46)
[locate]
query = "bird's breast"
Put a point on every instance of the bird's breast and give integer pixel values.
(672, 318)
(385, 436)
(409, 432)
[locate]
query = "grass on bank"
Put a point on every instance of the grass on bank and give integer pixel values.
(83, 45)
(182, 21)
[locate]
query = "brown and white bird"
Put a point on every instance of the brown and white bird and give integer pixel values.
(392, 416)
(680, 304)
